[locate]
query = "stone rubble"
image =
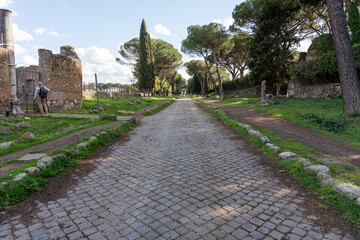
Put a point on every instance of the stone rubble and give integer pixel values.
(348, 190)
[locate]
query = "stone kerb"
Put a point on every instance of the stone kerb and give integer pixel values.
(320, 171)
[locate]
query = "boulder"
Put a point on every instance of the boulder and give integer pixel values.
(32, 170)
(41, 165)
(23, 124)
(247, 127)
(28, 135)
(325, 179)
(5, 145)
(276, 149)
(19, 176)
(287, 155)
(240, 125)
(358, 202)
(83, 144)
(4, 185)
(108, 105)
(269, 145)
(92, 138)
(348, 190)
(315, 169)
(304, 162)
(4, 130)
(264, 139)
(255, 133)
(46, 160)
(14, 128)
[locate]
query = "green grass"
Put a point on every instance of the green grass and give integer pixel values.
(330, 110)
(66, 159)
(113, 105)
(346, 173)
(44, 128)
(158, 107)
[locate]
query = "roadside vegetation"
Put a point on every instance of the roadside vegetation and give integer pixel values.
(347, 173)
(45, 128)
(324, 115)
(159, 107)
(111, 105)
(64, 160)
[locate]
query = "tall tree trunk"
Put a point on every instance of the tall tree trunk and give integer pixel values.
(201, 83)
(211, 78)
(219, 77)
(350, 87)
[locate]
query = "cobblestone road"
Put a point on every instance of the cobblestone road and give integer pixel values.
(178, 177)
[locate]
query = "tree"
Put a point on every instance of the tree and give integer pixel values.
(206, 40)
(234, 60)
(350, 87)
(198, 68)
(195, 87)
(146, 61)
(307, 20)
(166, 58)
(269, 49)
(354, 22)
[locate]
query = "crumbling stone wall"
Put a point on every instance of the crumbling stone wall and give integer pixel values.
(62, 73)
(5, 105)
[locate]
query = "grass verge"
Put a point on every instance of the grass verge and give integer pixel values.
(65, 159)
(347, 207)
(308, 113)
(158, 107)
(45, 128)
(111, 105)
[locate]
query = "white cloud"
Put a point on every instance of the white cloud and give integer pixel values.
(21, 35)
(29, 60)
(19, 50)
(162, 30)
(102, 61)
(5, 3)
(39, 31)
(226, 22)
(53, 33)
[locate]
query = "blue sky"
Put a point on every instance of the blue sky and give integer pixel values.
(97, 28)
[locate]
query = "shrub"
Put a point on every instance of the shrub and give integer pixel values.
(238, 83)
(322, 69)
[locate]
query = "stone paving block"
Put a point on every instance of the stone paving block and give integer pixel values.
(171, 182)
(32, 156)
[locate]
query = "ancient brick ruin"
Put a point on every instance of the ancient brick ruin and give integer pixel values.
(61, 73)
(5, 105)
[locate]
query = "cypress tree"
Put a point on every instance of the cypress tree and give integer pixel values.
(146, 66)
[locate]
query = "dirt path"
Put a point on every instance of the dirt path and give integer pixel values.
(305, 135)
(178, 175)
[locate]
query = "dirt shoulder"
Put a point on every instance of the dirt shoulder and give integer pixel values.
(302, 134)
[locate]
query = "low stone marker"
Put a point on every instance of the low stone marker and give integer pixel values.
(315, 169)
(4, 130)
(5, 145)
(348, 190)
(32, 170)
(23, 124)
(304, 162)
(19, 176)
(287, 155)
